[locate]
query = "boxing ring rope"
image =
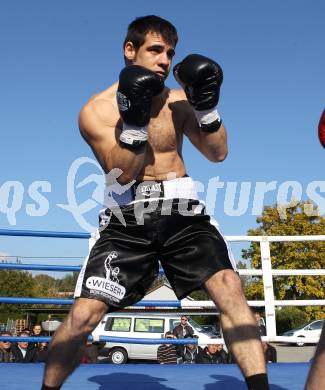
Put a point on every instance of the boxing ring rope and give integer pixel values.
(242, 272)
(40, 233)
(266, 272)
(156, 304)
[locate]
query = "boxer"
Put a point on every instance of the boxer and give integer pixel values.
(137, 127)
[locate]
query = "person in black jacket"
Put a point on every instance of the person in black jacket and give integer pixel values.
(6, 355)
(214, 354)
(191, 353)
(183, 329)
(42, 351)
(269, 353)
(24, 352)
(260, 325)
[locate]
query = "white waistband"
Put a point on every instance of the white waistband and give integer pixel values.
(179, 188)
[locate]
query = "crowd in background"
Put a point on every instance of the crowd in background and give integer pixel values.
(31, 352)
(23, 351)
(211, 354)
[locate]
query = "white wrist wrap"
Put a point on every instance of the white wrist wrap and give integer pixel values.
(206, 117)
(131, 133)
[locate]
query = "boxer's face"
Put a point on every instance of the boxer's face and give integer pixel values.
(155, 54)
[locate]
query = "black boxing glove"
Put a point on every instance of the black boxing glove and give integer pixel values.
(137, 86)
(201, 79)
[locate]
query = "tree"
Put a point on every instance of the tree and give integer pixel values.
(15, 283)
(290, 255)
(68, 282)
(44, 284)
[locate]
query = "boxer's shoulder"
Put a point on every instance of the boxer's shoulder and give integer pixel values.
(179, 104)
(101, 107)
(176, 95)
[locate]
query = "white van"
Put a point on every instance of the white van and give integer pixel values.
(139, 325)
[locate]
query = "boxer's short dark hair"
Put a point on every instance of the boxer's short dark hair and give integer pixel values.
(138, 29)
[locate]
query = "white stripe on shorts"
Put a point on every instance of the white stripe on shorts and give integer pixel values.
(179, 188)
(78, 288)
(230, 254)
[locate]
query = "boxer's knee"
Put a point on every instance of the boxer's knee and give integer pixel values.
(226, 279)
(231, 281)
(85, 315)
(225, 289)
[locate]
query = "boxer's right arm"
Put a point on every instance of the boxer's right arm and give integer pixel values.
(115, 148)
(98, 126)
(136, 89)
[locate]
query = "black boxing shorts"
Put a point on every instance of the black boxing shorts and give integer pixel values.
(153, 227)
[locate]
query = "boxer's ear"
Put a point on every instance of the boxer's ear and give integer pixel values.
(129, 51)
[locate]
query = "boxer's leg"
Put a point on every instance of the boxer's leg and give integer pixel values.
(239, 327)
(68, 344)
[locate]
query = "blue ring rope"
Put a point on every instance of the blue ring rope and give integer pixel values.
(39, 233)
(109, 339)
(43, 267)
(60, 301)
(35, 301)
(46, 267)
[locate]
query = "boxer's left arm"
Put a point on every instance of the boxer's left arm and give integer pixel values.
(201, 79)
(212, 145)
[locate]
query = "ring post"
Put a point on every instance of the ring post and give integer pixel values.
(268, 287)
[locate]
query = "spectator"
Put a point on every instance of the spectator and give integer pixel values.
(42, 351)
(37, 330)
(260, 324)
(183, 329)
(191, 353)
(167, 353)
(6, 355)
(23, 352)
(92, 352)
(269, 353)
(224, 355)
(214, 354)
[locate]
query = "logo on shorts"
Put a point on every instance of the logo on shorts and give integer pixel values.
(111, 273)
(122, 101)
(149, 189)
(110, 286)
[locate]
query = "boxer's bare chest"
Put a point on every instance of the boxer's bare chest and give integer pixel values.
(165, 129)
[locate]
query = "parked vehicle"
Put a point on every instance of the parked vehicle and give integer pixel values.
(138, 325)
(312, 329)
(211, 329)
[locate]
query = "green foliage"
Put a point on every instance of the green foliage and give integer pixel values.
(245, 281)
(290, 318)
(290, 255)
(67, 284)
(45, 285)
(199, 295)
(15, 283)
(4, 315)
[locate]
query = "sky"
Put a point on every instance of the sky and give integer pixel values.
(56, 55)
